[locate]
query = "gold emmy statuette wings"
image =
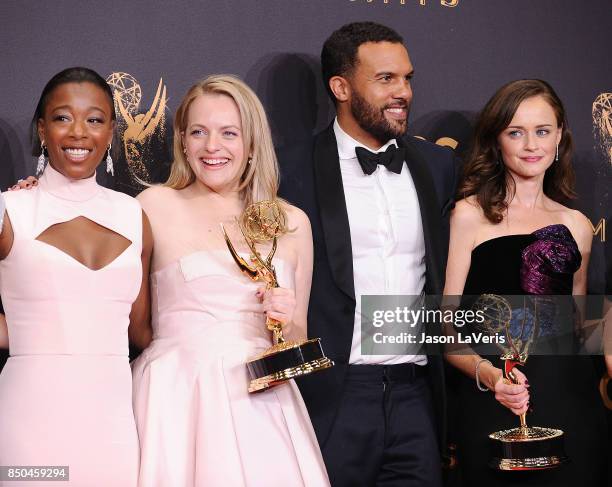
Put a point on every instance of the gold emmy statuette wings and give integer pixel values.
(139, 127)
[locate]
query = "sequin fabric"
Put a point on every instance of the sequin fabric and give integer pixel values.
(549, 263)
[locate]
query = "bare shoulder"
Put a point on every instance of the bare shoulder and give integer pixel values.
(296, 219)
(580, 226)
(467, 212)
(156, 197)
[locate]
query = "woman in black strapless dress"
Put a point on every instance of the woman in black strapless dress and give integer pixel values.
(511, 235)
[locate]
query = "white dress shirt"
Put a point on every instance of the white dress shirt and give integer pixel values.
(386, 237)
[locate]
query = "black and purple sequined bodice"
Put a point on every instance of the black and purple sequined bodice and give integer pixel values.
(542, 262)
(549, 263)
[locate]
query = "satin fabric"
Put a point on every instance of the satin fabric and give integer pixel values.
(197, 424)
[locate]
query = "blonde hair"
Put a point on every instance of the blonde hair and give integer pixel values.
(259, 178)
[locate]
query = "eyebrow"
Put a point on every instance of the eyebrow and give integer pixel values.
(222, 128)
(521, 127)
(391, 73)
(69, 107)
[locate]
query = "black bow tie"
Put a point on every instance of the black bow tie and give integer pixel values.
(392, 159)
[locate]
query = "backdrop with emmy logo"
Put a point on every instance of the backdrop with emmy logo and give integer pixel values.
(151, 51)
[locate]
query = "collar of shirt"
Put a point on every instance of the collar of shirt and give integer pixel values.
(346, 143)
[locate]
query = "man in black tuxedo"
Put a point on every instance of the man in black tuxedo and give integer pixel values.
(380, 226)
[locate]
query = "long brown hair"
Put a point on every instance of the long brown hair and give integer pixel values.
(485, 175)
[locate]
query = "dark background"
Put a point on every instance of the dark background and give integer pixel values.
(461, 54)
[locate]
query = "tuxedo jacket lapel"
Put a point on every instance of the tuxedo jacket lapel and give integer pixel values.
(334, 216)
(332, 208)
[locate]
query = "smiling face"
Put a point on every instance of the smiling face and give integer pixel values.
(213, 142)
(529, 143)
(379, 93)
(76, 128)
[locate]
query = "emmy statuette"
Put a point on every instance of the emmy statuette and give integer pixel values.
(525, 447)
(284, 360)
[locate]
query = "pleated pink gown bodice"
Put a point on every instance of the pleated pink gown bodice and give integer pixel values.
(65, 391)
(198, 425)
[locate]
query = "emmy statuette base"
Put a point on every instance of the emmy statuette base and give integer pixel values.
(284, 361)
(527, 448)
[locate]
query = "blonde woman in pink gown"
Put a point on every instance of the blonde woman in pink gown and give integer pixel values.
(73, 271)
(197, 424)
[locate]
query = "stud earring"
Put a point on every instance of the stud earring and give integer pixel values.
(109, 161)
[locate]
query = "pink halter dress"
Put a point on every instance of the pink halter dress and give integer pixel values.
(65, 391)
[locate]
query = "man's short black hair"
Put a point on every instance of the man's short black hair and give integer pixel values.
(339, 54)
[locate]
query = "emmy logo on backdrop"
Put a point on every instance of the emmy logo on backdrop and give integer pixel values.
(138, 128)
(525, 447)
(602, 123)
(264, 222)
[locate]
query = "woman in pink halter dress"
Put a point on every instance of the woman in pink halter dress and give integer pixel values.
(73, 262)
(197, 424)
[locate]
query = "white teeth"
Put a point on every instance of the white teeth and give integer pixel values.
(395, 110)
(77, 152)
(214, 162)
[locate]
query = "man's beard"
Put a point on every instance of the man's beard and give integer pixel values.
(373, 120)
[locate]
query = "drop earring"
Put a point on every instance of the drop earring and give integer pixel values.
(42, 160)
(557, 153)
(109, 161)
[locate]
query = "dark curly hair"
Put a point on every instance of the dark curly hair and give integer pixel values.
(339, 53)
(484, 174)
(70, 75)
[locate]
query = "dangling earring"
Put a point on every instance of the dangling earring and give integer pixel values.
(42, 160)
(557, 154)
(109, 161)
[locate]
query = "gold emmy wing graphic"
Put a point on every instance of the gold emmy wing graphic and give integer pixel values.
(602, 126)
(138, 128)
(263, 222)
(602, 123)
(525, 447)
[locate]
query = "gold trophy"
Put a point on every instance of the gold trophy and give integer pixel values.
(525, 447)
(264, 222)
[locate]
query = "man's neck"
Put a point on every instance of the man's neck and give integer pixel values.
(352, 128)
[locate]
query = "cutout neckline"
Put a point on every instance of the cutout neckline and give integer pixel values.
(126, 244)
